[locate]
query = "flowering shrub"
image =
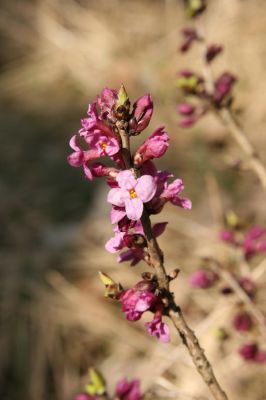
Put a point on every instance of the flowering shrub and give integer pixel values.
(135, 185)
(137, 191)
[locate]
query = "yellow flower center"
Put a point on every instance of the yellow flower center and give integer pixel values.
(103, 145)
(133, 194)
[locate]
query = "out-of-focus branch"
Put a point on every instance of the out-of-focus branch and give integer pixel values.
(226, 115)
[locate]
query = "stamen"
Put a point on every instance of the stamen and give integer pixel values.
(132, 193)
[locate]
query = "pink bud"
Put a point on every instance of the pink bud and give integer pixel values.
(242, 322)
(142, 112)
(185, 109)
(203, 279)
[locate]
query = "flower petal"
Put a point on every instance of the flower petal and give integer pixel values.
(116, 196)
(126, 180)
(134, 208)
(145, 188)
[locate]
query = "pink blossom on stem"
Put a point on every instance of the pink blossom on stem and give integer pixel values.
(137, 300)
(158, 328)
(185, 109)
(106, 102)
(154, 147)
(242, 322)
(251, 352)
(142, 113)
(126, 390)
(171, 193)
(227, 236)
(132, 193)
(81, 157)
(105, 145)
(223, 86)
(254, 242)
(203, 278)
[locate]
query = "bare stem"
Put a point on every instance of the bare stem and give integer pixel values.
(242, 295)
(227, 117)
(187, 335)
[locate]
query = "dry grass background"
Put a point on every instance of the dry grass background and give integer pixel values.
(56, 56)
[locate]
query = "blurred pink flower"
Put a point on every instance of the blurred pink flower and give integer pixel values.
(203, 278)
(242, 322)
(126, 390)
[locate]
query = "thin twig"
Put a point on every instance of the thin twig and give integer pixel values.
(227, 117)
(241, 294)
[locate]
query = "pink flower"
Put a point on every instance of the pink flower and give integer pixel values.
(132, 193)
(89, 122)
(101, 170)
(137, 300)
(254, 242)
(106, 102)
(223, 87)
(171, 193)
(203, 279)
(116, 243)
(227, 236)
(81, 157)
(142, 112)
(134, 255)
(251, 352)
(126, 390)
(155, 146)
(159, 329)
(104, 145)
(185, 109)
(242, 322)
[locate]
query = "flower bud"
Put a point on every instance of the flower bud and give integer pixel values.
(203, 279)
(242, 322)
(142, 112)
(185, 109)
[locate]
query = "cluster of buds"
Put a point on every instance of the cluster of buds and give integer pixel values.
(200, 97)
(96, 389)
(250, 243)
(136, 187)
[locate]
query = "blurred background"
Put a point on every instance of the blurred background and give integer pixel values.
(56, 57)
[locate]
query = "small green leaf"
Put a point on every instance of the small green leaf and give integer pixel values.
(190, 82)
(122, 96)
(97, 384)
(232, 219)
(106, 280)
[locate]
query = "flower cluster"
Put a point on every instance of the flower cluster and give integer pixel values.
(251, 243)
(96, 389)
(200, 97)
(136, 187)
